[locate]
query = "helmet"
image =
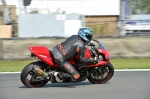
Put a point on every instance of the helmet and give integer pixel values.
(85, 33)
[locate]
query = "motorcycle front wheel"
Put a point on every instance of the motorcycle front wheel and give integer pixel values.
(102, 75)
(29, 78)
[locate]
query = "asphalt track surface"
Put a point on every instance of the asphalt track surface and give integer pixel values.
(123, 85)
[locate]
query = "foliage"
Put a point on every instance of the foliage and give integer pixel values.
(140, 6)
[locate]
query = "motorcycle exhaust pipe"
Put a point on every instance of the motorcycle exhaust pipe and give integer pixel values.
(40, 72)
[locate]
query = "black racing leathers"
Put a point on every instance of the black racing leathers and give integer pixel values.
(68, 50)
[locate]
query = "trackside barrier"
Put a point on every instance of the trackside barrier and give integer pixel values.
(127, 47)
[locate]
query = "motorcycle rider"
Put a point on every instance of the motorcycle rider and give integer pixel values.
(70, 48)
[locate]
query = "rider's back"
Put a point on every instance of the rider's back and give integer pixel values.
(68, 49)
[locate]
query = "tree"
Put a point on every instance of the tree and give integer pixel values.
(140, 6)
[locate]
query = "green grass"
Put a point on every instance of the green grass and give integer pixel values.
(140, 63)
(144, 63)
(13, 66)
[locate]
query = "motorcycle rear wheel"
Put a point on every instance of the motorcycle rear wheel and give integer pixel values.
(27, 72)
(102, 75)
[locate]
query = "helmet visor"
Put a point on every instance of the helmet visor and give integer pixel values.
(88, 36)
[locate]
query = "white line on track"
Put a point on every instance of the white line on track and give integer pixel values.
(132, 70)
(9, 72)
(115, 70)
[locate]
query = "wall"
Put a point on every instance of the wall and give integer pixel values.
(37, 25)
(129, 47)
(1, 49)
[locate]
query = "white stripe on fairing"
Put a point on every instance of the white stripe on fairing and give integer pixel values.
(115, 70)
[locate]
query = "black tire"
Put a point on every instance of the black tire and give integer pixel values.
(27, 70)
(108, 69)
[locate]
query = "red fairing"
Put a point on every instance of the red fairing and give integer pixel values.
(42, 53)
(100, 63)
(104, 52)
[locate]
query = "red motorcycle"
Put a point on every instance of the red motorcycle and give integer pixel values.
(37, 74)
